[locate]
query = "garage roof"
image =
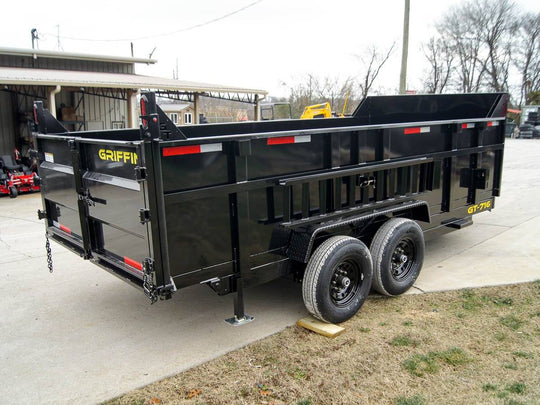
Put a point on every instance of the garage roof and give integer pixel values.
(69, 78)
(37, 53)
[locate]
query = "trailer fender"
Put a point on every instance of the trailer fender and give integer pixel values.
(302, 239)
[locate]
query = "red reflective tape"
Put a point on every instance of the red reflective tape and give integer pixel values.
(64, 228)
(467, 126)
(408, 131)
(133, 263)
(280, 140)
(181, 150)
(417, 130)
(490, 124)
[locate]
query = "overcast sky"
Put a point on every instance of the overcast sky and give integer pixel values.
(266, 44)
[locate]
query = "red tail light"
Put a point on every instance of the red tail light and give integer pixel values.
(143, 111)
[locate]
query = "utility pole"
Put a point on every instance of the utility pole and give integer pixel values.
(35, 38)
(405, 49)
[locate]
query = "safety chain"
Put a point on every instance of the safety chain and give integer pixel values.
(49, 253)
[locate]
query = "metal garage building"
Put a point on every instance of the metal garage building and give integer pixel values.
(89, 92)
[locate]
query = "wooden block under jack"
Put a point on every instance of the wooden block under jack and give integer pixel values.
(320, 327)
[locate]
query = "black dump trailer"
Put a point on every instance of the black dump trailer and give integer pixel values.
(340, 204)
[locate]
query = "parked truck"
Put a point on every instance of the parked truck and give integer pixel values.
(530, 127)
(341, 205)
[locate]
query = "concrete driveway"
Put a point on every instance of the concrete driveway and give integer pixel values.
(80, 335)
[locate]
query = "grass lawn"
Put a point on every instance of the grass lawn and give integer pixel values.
(478, 346)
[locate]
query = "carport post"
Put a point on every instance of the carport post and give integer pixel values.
(196, 107)
(51, 99)
(132, 116)
(257, 109)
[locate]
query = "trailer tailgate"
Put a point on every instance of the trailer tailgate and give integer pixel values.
(94, 203)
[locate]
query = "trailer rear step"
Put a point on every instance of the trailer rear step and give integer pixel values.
(459, 223)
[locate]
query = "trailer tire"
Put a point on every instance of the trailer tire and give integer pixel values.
(337, 279)
(13, 192)
(398, 254)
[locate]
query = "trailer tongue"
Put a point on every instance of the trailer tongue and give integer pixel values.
(342, 205)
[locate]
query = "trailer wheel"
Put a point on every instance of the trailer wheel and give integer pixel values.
(12, 192)
(398, 254)
(337, 279)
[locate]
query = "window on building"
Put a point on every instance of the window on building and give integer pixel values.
(188, 118)
(174, 118)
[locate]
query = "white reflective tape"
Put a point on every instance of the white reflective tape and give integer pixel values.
(302, 138)
(424, 130)
(211, 147)
(56, 224)
(494, 123)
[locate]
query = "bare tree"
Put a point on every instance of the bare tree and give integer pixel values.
(455, 29)
(314, 90)
(372, 62)
(441, 58)
(336, 92)
(303, 93)
(527, 58)
(497, 25)
(480, 33)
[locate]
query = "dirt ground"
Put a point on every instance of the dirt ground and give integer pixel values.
(477, 346)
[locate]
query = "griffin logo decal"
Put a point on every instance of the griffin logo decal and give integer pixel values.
(118, 156)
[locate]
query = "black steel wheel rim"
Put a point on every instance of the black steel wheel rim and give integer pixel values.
(403, 258)
(345, 282)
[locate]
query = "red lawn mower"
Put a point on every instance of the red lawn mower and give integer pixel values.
(16, 178)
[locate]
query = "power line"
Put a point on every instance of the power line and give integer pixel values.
(163, 34)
